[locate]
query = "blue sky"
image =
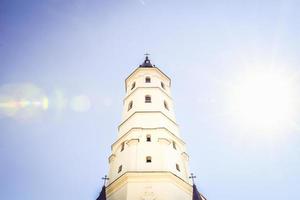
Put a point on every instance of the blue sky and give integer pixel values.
(76, 49)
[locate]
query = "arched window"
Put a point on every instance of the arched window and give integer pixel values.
(148, 79)
(120, 169)
(177, 167)
(174, 145)
(130, 105)
(147, 99)
(122, 146)
(162, 85)
(166, 105)
(148, 159)
(133, 86)
(148, 138)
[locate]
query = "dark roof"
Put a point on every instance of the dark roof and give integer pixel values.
(146, 63)
(102, 195)
(196, 194)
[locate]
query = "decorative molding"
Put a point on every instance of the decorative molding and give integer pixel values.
(140, 128)
(148, 194)
(111, 158)
(137, 69)
(157, 111)
(164, 141)
(153, 87)
(148, 176)
(132, 141)
(185, 156)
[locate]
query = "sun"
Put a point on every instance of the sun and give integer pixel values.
(263, 99)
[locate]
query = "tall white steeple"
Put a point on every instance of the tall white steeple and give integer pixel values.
(149, 159)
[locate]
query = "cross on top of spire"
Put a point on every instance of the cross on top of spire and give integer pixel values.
(105, 178)
(193, 177)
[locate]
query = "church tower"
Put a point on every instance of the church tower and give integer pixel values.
(149, 159)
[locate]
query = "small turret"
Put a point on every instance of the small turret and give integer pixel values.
(147, 62)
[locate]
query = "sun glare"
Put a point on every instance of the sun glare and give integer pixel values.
(263, 100)
(22, 101)
(80, 103)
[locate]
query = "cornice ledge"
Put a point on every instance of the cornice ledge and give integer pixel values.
(135, 175)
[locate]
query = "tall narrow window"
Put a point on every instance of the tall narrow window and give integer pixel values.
(174, 145)
(130, 105)
(147, 99)
(148, 79)
(122, 146)
(133, 86)
(166, 105)
(148, 159)
(148, 138)
(162, 85)
(120, 169)
(177, 167)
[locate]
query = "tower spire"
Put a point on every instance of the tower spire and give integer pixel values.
(147, 62)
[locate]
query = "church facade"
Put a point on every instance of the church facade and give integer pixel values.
(149, 160)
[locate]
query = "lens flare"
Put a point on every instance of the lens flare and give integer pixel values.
(59, 101)
(80, 103)
(45, 103)
(22, 101)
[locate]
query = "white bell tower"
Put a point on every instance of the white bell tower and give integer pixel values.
(149, 159)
